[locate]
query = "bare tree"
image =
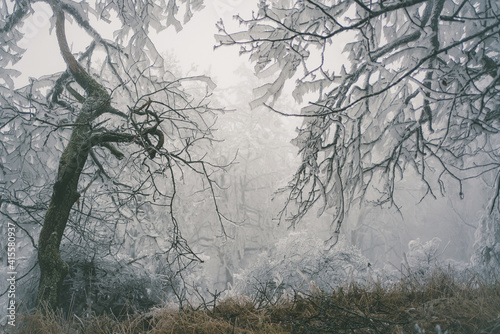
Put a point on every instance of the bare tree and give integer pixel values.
(417, 95)
(113, 135)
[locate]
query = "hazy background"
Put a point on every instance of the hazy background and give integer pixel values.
(265, 158)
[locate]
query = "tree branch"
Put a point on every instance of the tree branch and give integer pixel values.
(20, 10)
(88, 83)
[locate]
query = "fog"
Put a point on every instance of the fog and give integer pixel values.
(257, 145)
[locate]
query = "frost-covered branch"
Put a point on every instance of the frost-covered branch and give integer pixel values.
(419, 94)
(103, 142)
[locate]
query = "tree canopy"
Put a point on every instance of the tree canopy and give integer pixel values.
(86, 153)
(416, 96)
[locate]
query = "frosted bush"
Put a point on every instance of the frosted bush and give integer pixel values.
(423, 256)
(301, 262)
(486, 256)
(423, 259)
(108, 285)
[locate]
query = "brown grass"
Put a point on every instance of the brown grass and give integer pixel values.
(459, 307)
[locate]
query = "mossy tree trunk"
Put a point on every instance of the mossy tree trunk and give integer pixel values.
(52, 267)
(84, 136)
(65, 194)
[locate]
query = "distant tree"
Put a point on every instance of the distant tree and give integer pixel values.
(417, 95)
(87, 151)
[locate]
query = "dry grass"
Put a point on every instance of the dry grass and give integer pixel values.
(459, 307)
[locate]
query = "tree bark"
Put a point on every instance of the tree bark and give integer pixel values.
(53, 269)
(65, 193)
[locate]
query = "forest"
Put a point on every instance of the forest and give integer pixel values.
(265, 166)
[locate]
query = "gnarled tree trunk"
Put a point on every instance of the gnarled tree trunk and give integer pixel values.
(65, 192)
(96, 102)
(53, 269)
